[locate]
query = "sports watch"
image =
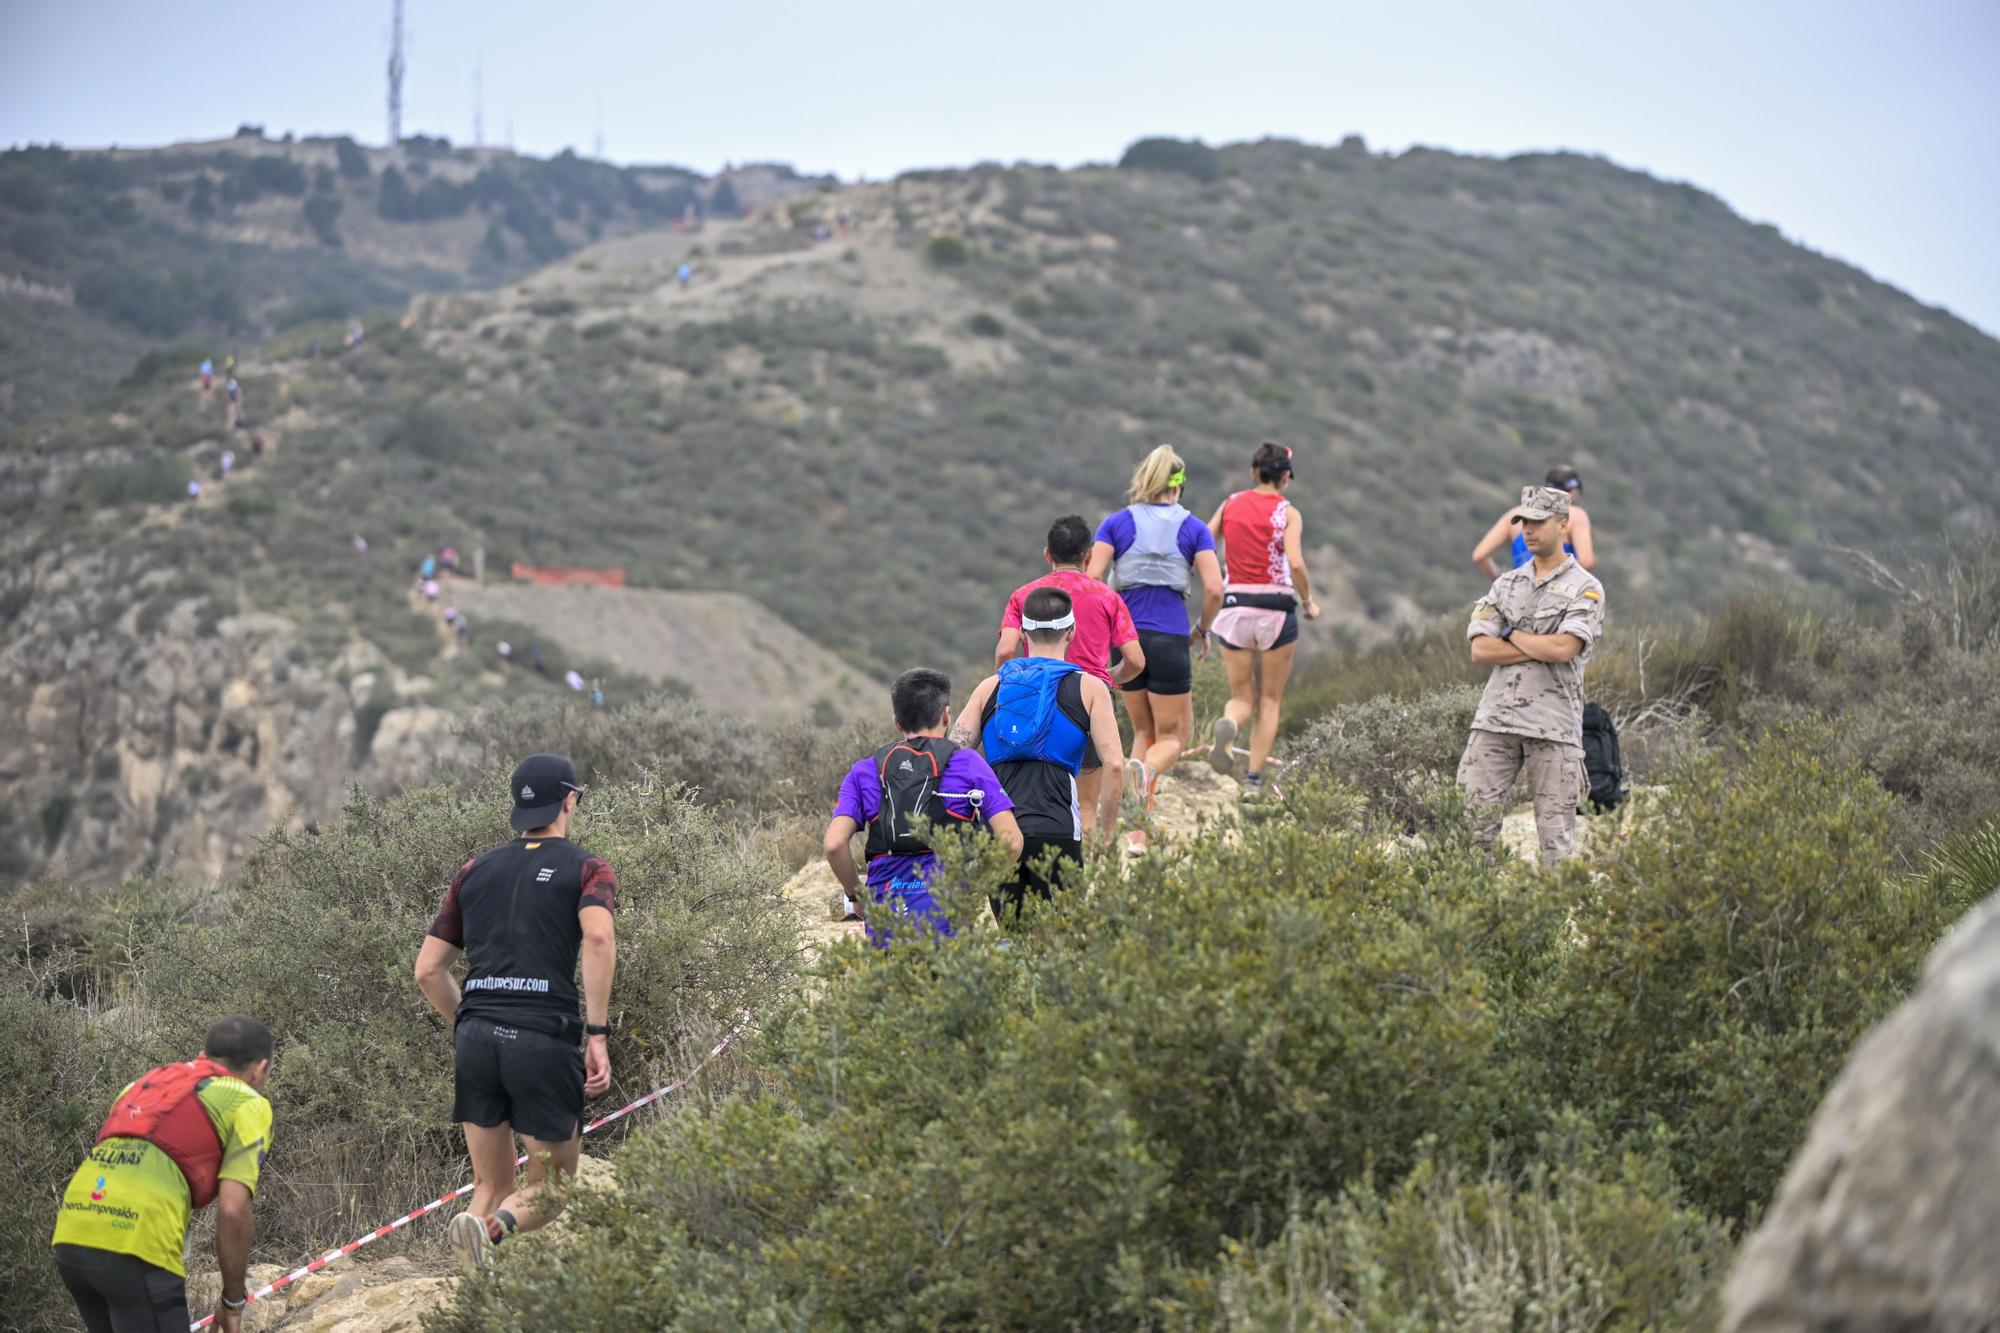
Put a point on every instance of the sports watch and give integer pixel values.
(596, 1029)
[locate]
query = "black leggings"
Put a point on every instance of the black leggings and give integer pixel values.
(116, 1293)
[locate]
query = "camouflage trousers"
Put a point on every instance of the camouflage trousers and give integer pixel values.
(1493, 759)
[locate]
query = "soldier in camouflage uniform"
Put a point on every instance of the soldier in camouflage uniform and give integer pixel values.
(1536, 629)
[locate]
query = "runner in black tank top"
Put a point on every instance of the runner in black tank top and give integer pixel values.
(523, 914)
(1056, 710)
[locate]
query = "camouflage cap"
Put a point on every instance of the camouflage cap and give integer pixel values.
(1539, 502)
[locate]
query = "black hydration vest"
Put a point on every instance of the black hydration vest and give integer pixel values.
(519, 904)
(912, 776)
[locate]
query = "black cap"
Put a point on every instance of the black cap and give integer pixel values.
(541, 782)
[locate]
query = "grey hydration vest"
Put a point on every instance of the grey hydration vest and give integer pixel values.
(1154, 559)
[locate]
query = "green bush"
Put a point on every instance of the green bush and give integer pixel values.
(61, 1070)
(1737, 947)
(276, 175)
(430, 430)
(1393, 751)
(322, 213)
(151, 478)
(353, 162)
(1186, 157)
(1243, 342)
(1577, 1239)
(984, 325)
(947, 252)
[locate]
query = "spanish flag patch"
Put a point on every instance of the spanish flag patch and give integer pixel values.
(1593, 595)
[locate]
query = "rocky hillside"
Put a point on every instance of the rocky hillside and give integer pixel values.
(106, 253)
(861, 409)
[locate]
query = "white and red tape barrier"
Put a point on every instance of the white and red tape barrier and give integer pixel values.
(334, 1256)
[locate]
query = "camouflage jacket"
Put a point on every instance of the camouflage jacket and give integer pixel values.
(1539, 699)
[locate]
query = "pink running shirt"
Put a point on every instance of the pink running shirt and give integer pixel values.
(1102, 620)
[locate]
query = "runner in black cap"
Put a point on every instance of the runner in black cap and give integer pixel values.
(522, 914)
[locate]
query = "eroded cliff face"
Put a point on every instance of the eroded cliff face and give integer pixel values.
(138, 733)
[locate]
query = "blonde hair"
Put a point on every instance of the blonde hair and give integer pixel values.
(1152, 479)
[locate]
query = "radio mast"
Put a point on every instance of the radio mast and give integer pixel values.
(396, 77)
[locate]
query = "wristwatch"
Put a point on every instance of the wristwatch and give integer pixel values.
(228, 1304)
(596, 1029)
(1507, 634)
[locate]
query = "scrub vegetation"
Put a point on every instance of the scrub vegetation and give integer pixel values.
(1326, 1068)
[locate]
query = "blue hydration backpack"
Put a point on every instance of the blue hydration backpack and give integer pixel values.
(1028, 722)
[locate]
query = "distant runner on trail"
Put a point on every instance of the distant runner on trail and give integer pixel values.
(521, 915)
(682, 274)
(176, 1139)
(1536, 628)
(921, 775)
(227, 463)
(207, 374)
(1503, 535)
(1152, 544)
(1262, 540)
(1035, 720)
(235, 390)
(1102, 624)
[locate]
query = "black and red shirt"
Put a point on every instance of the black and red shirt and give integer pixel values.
(514, 910)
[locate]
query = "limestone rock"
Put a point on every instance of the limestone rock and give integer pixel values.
(1888, 1215)
(387, 1297)
(138, 726)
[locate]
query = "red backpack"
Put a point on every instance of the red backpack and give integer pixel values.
(162, 1109)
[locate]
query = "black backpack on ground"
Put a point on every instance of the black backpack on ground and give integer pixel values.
(912, 776)
(1601, 762)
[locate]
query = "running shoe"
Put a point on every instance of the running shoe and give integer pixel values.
(466, 1235)
(1253, 786)
(1139, 783)
(1220, 757)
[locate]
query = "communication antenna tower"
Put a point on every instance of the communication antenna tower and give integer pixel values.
(396, 77)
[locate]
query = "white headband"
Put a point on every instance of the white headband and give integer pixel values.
(1065, 623)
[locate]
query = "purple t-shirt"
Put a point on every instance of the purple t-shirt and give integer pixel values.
(1158, 610)
(861, 799)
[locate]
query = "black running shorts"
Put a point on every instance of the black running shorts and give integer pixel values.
(117, 1293)
(515, 1076)
(1027, 877)
(1169, 664)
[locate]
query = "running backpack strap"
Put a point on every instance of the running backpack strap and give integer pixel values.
(912, 776)
(163, 1107)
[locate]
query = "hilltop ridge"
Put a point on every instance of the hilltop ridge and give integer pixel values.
(107, 252)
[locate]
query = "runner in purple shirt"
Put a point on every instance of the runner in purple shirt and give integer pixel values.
(968, 789)
(1156, 547)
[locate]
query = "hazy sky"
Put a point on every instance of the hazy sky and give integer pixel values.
(1870, 131)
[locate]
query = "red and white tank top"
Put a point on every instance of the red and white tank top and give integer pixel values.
(1253, 535)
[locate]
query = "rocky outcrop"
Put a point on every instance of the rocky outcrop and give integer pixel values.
(137, 732)
(1888, 1216)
